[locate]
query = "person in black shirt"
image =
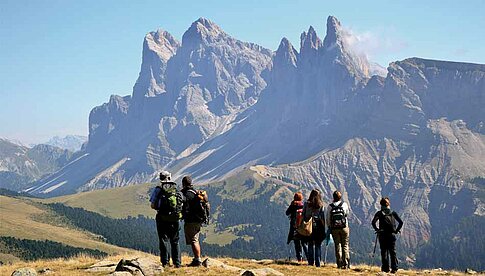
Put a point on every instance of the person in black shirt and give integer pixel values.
(192, 224)
(386, 233)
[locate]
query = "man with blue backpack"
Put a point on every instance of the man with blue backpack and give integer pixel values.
(168, 202)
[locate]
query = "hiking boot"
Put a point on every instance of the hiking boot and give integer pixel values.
(195, 263)
(394, 271)
(177, 266)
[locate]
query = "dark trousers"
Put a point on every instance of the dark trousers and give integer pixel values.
(299, 246)
(168, 234)
(314, 253)
(388, 247)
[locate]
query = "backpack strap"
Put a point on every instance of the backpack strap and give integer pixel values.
(341, 203)
(390, 213)
(192, 191)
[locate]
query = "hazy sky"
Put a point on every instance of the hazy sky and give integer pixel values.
(59, 59)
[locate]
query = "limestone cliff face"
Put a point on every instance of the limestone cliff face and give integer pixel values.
(185, 94)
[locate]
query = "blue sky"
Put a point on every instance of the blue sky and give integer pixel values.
(60, 58)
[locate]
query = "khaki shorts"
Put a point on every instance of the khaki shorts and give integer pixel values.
(192, 231)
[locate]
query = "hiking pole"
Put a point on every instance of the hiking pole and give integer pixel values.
(375, 245)
(374, 252)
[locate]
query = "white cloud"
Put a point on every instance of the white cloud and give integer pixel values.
(371, 44)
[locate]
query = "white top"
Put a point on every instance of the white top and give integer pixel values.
(345, 206)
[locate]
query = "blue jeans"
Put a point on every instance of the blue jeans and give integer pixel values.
(314, 253)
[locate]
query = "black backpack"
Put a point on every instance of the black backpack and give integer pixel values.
(387, 222)
(198, 209)
(338, 219)
(169, 201)
(318, 225)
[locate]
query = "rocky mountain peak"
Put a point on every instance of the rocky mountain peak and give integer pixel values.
(202, 31)
(162, 43)
(333, 36)
(310, 40)
(158, 48)
(337, 50)
(286, 53)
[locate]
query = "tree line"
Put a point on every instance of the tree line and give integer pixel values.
(32, 250)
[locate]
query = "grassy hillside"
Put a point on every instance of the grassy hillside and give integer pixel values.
(133, 201)
(235, 230)
(23, 218)
(76, 266)
(116, 203)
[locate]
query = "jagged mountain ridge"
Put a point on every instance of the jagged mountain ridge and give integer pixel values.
(72, 143)
(21, 165)
(185, 94)
(212, 104)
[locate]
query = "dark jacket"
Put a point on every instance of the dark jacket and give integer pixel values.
(318, 227)
(291, 211)
(381, 215)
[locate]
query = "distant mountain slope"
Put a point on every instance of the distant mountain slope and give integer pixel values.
(72, 143)
(20, 165)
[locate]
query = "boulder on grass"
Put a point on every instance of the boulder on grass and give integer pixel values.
(211, 263)
(262, 272)
(103, 266)
(25, 271)
(140, 266)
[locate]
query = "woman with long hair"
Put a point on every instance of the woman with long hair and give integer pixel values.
(294, 211)
(313, 208)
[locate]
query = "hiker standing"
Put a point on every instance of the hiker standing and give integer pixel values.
(168, 202)
(337, 213)
(192, 218)
(387, 234)
(295, 211)
(313, 209)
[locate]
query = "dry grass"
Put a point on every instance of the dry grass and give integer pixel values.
(76, 266)
(16, 220)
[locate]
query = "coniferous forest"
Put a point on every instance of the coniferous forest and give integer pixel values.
(33, 250)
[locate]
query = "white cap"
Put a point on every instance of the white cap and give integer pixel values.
(165, 175)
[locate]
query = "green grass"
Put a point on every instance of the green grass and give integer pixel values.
(23, 218)
(115, 203)
(133, 201)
